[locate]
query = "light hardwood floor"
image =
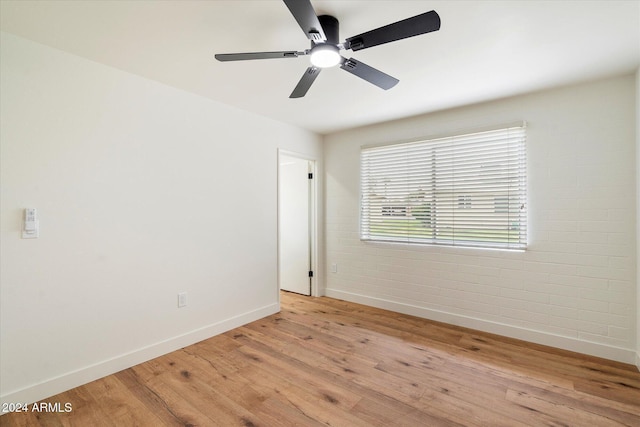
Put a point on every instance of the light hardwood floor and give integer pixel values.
(327, 362)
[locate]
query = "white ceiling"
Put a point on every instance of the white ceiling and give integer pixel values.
(484, 50)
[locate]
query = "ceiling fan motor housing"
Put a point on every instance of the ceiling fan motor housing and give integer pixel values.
(331, 28)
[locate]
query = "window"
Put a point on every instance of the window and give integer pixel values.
(466, 190)
(464, 202)
(394, 210)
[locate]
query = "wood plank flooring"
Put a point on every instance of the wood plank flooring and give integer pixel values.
(322, 361)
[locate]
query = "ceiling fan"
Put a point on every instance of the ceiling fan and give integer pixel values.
(325, 46)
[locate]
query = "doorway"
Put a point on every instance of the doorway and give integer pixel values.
(296, 223)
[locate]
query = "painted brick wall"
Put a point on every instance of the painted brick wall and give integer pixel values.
(574, 287)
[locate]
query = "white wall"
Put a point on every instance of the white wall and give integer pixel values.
(143, 191)
(574, 287)
(637, 217)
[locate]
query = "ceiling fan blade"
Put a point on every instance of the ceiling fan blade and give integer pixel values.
(303, 11)
(305, 82)
(370, 74)
(414, 26)
(257, 55)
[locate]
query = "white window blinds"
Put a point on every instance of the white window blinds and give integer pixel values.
(467, 190)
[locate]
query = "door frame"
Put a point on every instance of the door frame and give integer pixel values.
(313, 217)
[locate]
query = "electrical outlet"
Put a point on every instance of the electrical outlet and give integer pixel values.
(182, 299)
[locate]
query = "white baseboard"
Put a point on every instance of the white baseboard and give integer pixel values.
(557, 341)
(87, 374)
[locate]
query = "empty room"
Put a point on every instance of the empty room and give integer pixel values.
(307, 213)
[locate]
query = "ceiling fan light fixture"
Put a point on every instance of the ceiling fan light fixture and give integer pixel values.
(325, 56)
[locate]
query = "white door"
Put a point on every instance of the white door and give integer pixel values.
(294, 205)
